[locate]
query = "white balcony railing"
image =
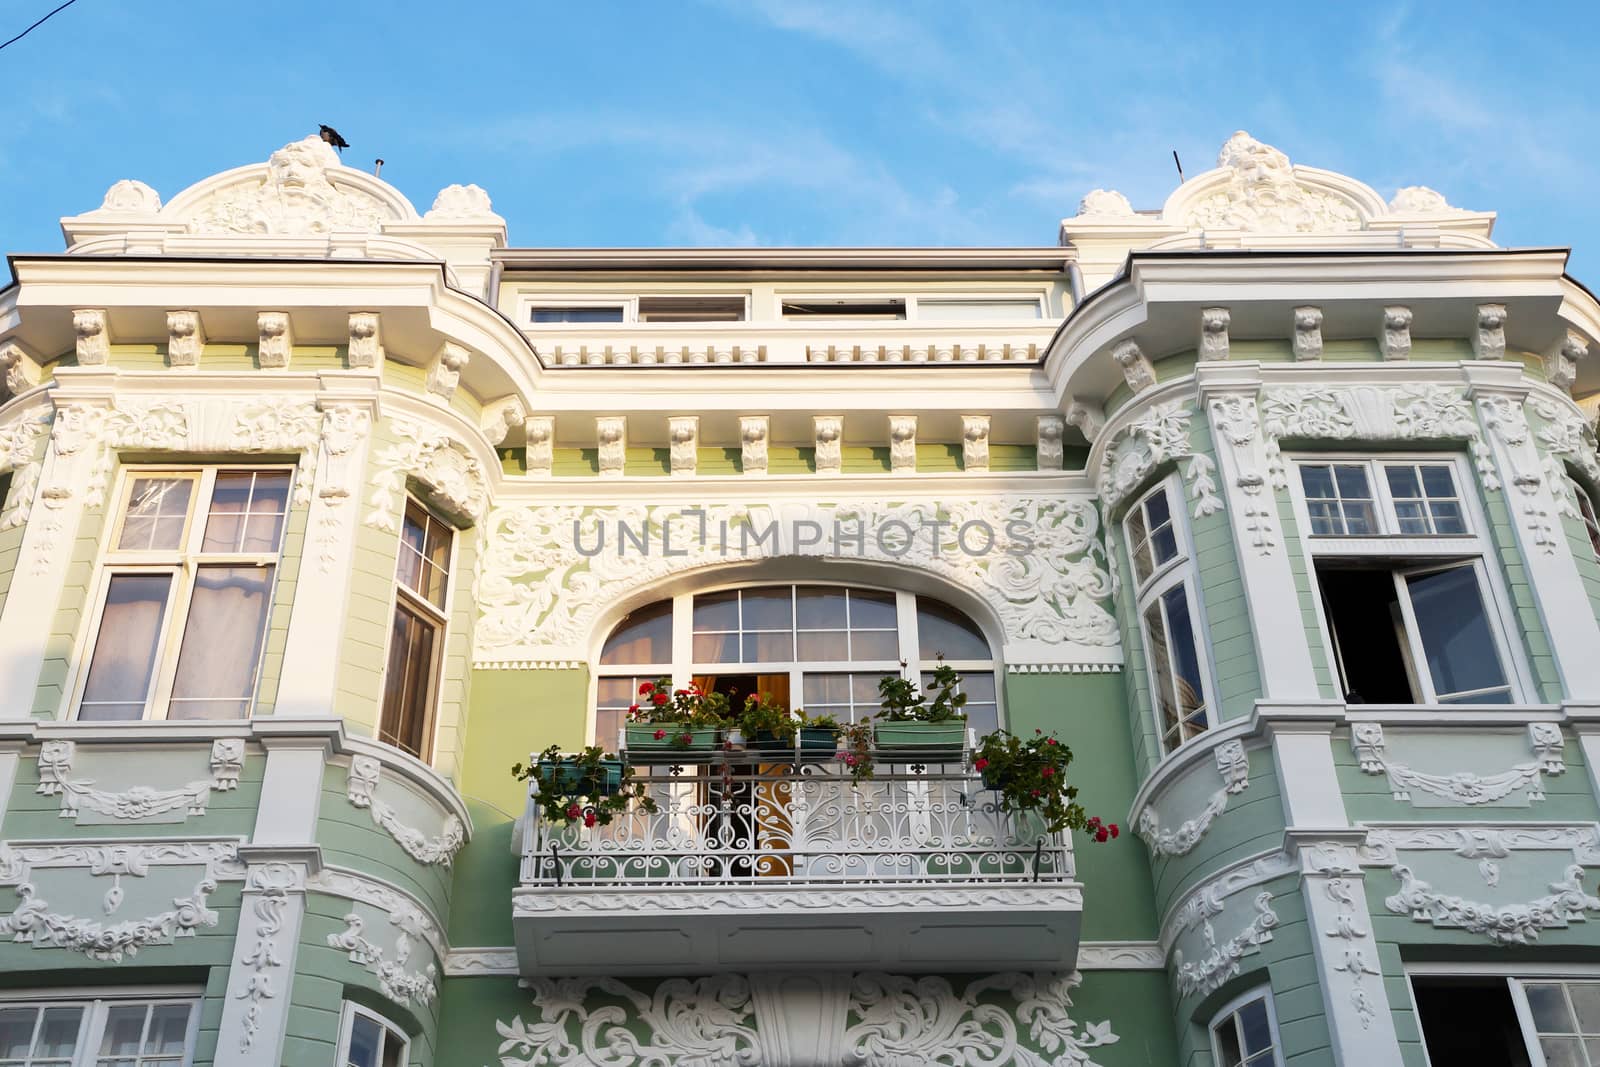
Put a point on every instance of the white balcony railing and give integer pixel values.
(747, 823)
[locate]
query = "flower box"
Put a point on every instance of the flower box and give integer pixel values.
(641, 737)
(819, 740)
(767, 741)
(569, 779)
(926, 738)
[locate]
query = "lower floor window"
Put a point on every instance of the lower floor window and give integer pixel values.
(97, 1032)
(1245, 1032)
(1525, 1022)
(369, 1040)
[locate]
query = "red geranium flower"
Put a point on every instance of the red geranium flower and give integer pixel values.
(1113, 829)
(1049, 740)
(633, 709)
(588, 818)
(660, 698)
(574, 811)
(660, 734)
(1101, 835)
(645, 687)
(1047, 771)
(980, 764)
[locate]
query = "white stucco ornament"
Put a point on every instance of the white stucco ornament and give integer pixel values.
(302, 192)
(132, 198)
(1420, 200)
(461, 202)
(1104, 203)
(1263, 194)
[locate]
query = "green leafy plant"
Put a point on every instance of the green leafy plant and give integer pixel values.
(763, 715)
(855, 749)
(676, 712)
(818, 722)
(1031, 776)
(904, 701)
(592, 800)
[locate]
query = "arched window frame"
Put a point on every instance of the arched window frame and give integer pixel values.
(683, 667)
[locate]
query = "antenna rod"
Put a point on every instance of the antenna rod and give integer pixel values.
(1179, 164)
(377, 167)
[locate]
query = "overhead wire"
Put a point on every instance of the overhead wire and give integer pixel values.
(36, 25)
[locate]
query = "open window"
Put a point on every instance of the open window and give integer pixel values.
(1526, 1020)
(1405, 591)
(1245, 1032)
(844, 310)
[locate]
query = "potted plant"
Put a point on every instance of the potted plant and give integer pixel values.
(1031, 776)
(855, 749)
(910, 721)
(589, 786)
(767, 725)
(666, 719)
(819, 734)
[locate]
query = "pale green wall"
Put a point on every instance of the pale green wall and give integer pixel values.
(230, 812)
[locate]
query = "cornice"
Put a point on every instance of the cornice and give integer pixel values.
(1051, 258)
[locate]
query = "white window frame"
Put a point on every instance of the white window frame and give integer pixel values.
(1226, 1012)
(1588, 513)
(417, 601)
(684, 666)
(347, 1020)
(1183, 570)
(1037, 298)
(528, 303)
(1409, 554)
(99, 1000)
(112, 562)
(1514, 974)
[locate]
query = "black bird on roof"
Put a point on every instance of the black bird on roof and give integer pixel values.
(331, 135)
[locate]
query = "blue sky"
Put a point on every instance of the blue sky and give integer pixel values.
(804, 122)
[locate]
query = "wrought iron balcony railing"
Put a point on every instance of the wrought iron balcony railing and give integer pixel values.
(747, 822)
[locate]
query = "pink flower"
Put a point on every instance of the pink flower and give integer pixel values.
(849, 761)
(660, 734)
(1049, 740)
(980, 764)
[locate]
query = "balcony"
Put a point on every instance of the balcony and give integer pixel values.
(753, 865)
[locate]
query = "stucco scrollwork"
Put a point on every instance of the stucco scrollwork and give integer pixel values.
(301, 193)
(399, 984)
(1261, 194)
(1567, 439)
(138, 802)
(891, 1019)
(546, 572)
(1462, 787)
(1505, 924)
(21, 455)
(1409, 413)
(437, 460)
(1234, 767)
(1159, 435)
(34, 922)
(361, 791)
(1221, 962)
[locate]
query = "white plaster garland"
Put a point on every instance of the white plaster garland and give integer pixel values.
(139, 802)
(1462, 787)
(1409, 413)
(1044, 575)
(361, 791)
(1156, 437)
(1221, 962)
(890, 1019)
(399, 984)
(436, 459)
(1234, 767)
(1505, 924)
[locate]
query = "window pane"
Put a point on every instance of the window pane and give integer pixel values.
(578, 314)
(408, 682)
(869, 645)
(413, 538)
(1139, 544)
(1155, 632)
(1562, 1052)
(1185, 659)
(124, 1029)
(1228, 1043)
(1456, 639)
(1586, 1002)
(125, 649)
(820, 608)
(716, 611)
(872, 611)
(644, 636)
(1359, 518)
(365, 1038)
(827, 689)
(1403, 481)
(822, 645)
(58, 1034)
(169, 1027)
(1325, 521)
(230, 502)
(1437, 481)
(769, 647)
(394, 1050)
(155, 514)
(716, 648)
(1447, 517)
(247, 511)
(767, 609)
(1351, 480)
(16, 1032)
(1549, 1007)
(1257, 1030)
(1317, 480)
(942, 630)
(222, 642)
(1158, 508)
(1164, 545)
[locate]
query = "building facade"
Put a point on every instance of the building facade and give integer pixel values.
(1277, 505)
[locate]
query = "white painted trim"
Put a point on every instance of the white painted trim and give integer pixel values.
(1121, 956)
(347, 1014)
(1261, 992)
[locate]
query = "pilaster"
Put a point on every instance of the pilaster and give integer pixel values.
(1228, 392)
(316, 625)
(1569, 621)
(272, 908)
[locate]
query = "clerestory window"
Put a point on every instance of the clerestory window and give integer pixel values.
(183, 594)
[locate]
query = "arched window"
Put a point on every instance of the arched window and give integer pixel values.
(818, 647)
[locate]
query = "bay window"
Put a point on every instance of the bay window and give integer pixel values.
(1169, 608)
(416, 630)
(366, 1039)
(1245, 1032)
(1404, 586)
(184, 592)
